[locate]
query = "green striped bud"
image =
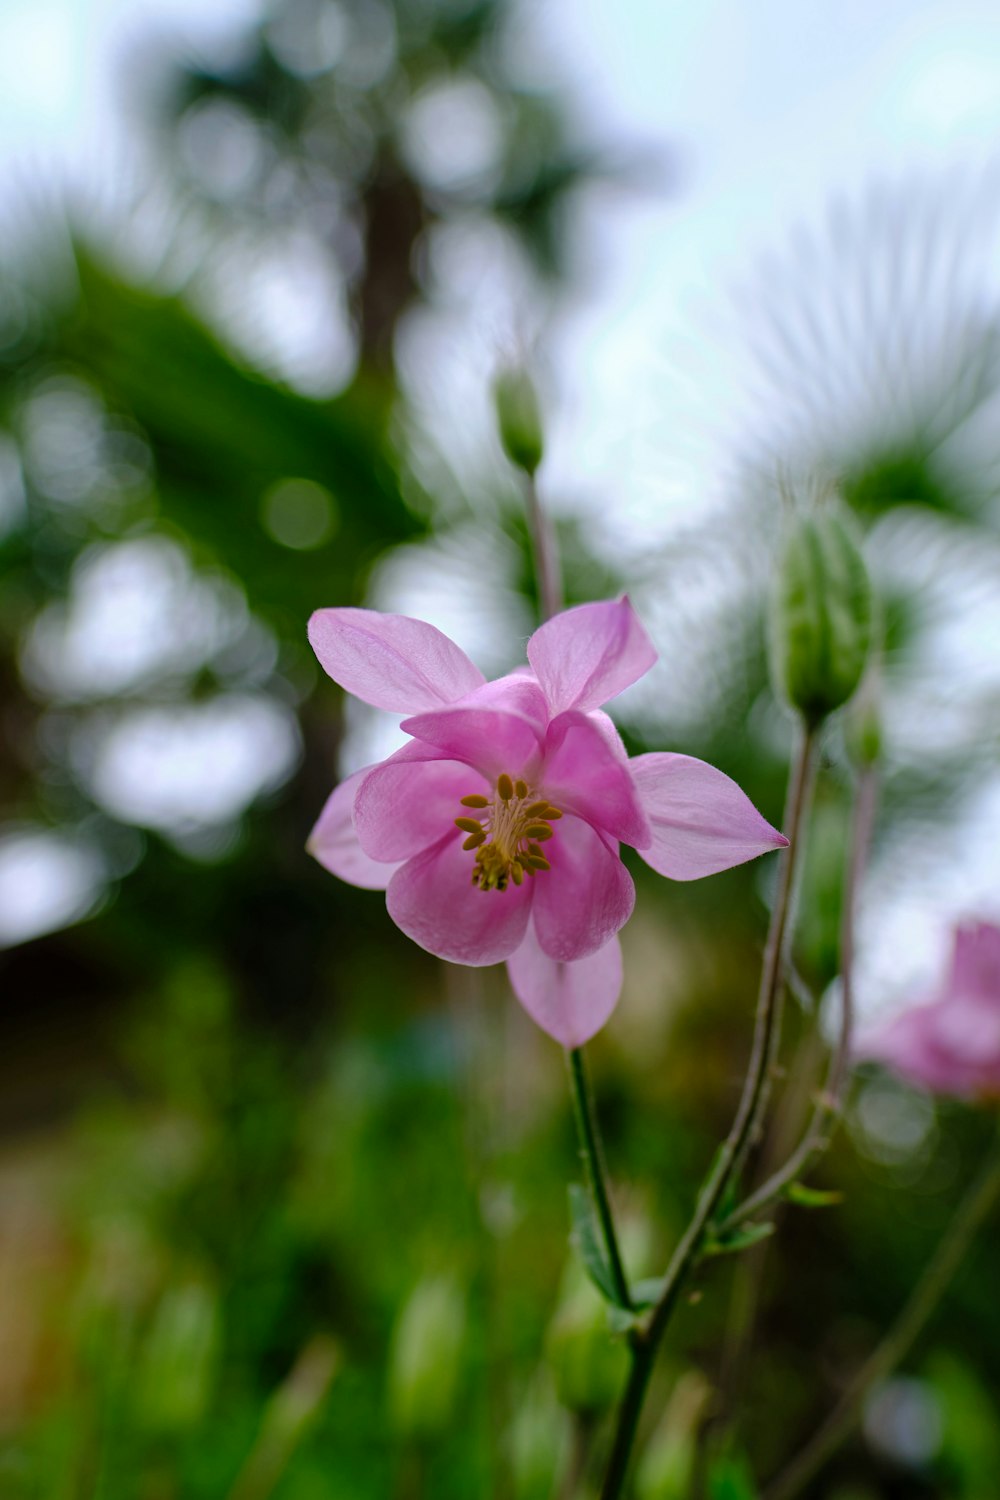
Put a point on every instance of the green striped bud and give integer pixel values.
(519, 418)
(821, 617)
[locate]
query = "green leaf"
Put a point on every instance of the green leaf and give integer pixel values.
(621, 1319)
(738, 1239)
(807, 1197)
(585, 1239)
(647, 1291)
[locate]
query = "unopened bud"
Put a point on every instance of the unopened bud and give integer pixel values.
(519, 418)
(426, 1358)
(821, 618)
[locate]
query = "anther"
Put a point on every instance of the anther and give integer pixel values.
(505, 787)
(516, 874)
(469, 825)
(474, 840)
(475, 800)
(521, 788)
(539, 831)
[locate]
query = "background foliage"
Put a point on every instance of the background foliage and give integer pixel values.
(286, 1197)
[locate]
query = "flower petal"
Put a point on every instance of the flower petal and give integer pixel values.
(334, 841)
(589, 654)
(497, 728)
(702, 822)
(975, 965)
(905, 1044)
(433, 900)
(586, 896)
(391, 661)
(586, 773)
(571, 1001)
(411, 800)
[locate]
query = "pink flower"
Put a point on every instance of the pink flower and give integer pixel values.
(495, 830)
(951, 1045)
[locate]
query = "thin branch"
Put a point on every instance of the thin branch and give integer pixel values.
(972, 1211)
(647, 1336)
(829, 1101)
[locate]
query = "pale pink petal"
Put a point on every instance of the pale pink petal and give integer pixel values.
(433, 900)
(586, 774)
(497, 728)
(411, 800)
(586, 896)
(334, 841)
(702, 822)
(906, 1045)
(589, 654)
(391, 661)
(571, 1001)
(975, 966)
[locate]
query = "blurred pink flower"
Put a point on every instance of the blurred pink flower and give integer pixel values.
(495, 830)
(951, 1045)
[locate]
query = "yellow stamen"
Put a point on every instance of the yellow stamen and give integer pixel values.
(507, 833)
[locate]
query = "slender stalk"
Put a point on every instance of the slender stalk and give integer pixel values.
(593, 1156)
(829, 1102)
(978, 1202)
(546, 554)
(646, 1338)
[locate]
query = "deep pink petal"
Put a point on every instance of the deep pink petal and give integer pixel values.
(497, 728)
(411, 800)
(586, 774)
(586, 896)
(391, 661)
(571, 1001)
(975, 968)
(702, 822)
(334, 841)
(433, 900)
(589, 654)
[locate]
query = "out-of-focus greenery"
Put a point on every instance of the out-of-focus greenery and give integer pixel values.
(287, 1198)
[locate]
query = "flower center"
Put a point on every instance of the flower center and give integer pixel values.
(507, 831)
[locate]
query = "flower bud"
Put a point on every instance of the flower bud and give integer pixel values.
(426, 1358)
(519, 418)
(821, 617)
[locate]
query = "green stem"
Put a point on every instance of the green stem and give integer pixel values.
(590, 1150)
(646, 1338)
(546, 553)
(974, 1208)
(829, 1102)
